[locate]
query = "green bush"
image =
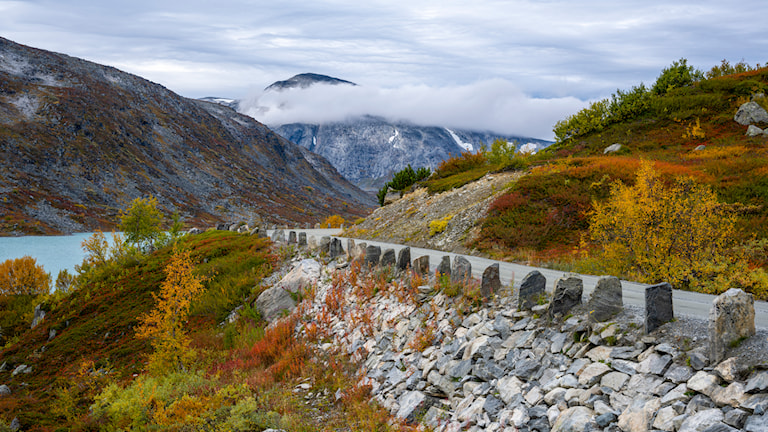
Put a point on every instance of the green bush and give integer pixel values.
(402, 180)
(678, 74)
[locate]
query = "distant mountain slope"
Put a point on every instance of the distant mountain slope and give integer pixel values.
(79, 140)
(368, 150)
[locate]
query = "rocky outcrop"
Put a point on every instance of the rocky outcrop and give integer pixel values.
(280, 299)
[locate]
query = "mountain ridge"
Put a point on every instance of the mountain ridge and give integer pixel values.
(80, 140)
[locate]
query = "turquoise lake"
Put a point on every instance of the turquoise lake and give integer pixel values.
(54, 253)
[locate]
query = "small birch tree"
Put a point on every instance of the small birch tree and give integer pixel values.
(165, 324)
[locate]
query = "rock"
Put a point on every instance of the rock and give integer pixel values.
(567, 295)
(751, 113)
(658, 306)
(613, 148)
(614, 380)
(388, 258)
(412, 405)
(302, 239)
(605, 419)
(638, 415)
(38, 316)
(278, 236)
(325, 245)
(492, 406)
(491, 282)
(700, 147)
(461, 272)
(703, 382)
(665, 419)
(444, 268)
(404, 258)
(15, 424)
(531, 290)
(606, 300)
(679, 373)
(736, 418)
(421, 265)
(756, 423)
(655, 364)
(372, 256)
(731, 319)
(733, 395)
(753, 131)
(20, 369)
(757, 403)
(436, 417)
(757, 383)
(702, 420)
(592, 374)
(508, 387)
(4, 390)
(729, 370)
(573, 419)
(335, 249)
(274, 301)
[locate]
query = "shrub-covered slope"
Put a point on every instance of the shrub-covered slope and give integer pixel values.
(79, 141)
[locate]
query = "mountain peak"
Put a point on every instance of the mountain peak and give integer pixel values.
(305, 80)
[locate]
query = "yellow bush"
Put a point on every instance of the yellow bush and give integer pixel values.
(439, 225)
(22, 276)
(653, 232)
(334, 221)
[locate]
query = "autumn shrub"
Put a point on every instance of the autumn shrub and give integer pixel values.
(23, 284)
(165, 325)
(438, 225)
(334, 221)
(466, 161)
(23, 276)
(547, 208)
(653, 231)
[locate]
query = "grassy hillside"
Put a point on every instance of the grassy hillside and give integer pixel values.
(686, 131)
(89, 371)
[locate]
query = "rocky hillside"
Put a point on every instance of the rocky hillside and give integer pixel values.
(79, 140)
(445, 221)
(369, 150)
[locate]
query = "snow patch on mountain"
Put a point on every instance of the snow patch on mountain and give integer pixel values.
(465, 145)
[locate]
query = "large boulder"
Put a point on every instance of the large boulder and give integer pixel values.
(606, 300)
(282, 297)
(461, 272)
(731, 318)
(751, 113)
(531, 290)
(658, 306)
(567, 295)
(491, 282)
(404, 258)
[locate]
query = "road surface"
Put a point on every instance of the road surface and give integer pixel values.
(686, 303)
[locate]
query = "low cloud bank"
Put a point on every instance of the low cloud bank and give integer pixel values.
(495, 105)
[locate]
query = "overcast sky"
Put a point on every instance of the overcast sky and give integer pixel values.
(512, 66)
